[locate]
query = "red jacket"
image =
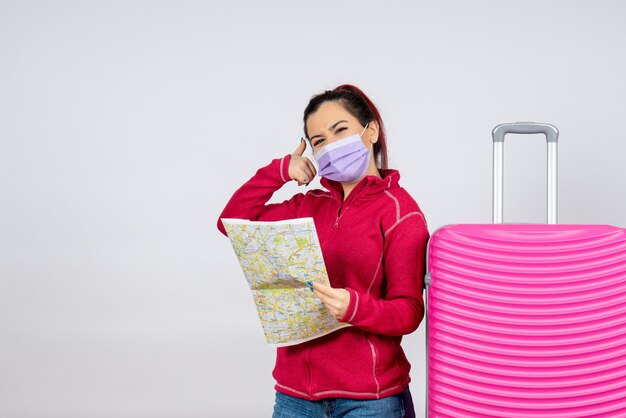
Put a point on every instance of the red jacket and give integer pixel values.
(374, 246)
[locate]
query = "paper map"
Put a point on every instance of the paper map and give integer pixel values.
(277, 259)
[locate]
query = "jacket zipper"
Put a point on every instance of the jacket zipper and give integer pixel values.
(338, 218)
(340, 212)
(335, 225)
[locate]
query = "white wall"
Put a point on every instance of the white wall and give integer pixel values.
(126, 126)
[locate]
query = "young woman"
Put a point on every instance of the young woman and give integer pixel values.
(373, 237)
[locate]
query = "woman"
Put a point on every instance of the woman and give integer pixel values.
(373, 237)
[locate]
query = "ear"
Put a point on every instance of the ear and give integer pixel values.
(372, 132)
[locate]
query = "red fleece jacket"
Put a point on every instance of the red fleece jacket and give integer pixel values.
(374, 246)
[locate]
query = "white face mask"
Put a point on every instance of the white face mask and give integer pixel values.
(345, 160)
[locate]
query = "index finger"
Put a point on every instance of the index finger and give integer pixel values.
(323, 289)
(311, 166)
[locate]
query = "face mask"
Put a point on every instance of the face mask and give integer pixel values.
(345, 160)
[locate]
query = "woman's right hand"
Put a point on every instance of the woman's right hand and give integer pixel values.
(301, 169)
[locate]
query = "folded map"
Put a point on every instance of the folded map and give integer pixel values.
(278, 259)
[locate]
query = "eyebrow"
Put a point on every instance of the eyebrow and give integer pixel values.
(330, 129)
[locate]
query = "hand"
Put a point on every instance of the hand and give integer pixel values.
(301, 169)
(336, 300)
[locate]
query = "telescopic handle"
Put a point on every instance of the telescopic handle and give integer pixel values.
(552, 137)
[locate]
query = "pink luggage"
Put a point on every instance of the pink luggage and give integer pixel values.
(526, 320)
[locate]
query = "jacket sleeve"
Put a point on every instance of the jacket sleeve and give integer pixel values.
(404, 259)
(249, 201)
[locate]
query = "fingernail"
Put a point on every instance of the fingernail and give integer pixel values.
(310, 283)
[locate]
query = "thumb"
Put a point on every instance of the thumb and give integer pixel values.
(300, 150)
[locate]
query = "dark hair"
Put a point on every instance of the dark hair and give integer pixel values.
(359, 106)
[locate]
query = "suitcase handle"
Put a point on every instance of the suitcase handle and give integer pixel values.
(552, 137)
(550, 131)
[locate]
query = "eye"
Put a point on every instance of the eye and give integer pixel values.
(340, 129)
(317, 142)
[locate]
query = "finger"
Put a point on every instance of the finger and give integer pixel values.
(307, 168)
(312, 168)
(300, 150)
(321, 296)
(325, 300)
(308, 174)
(325, 290)
(330, 303)
(303, 176)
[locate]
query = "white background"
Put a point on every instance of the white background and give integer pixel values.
(126, 126)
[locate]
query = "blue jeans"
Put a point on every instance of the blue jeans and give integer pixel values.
(291, 407)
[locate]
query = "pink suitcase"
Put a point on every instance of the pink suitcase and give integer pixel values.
(526, 320)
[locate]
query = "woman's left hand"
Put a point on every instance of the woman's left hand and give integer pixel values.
(336, 300)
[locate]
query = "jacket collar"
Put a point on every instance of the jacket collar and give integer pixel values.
(368, 187)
